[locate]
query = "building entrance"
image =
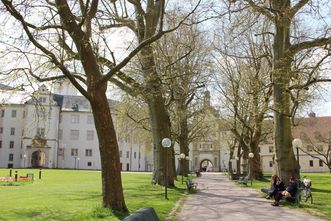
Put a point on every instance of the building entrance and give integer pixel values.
(38, 159)
(206, 166)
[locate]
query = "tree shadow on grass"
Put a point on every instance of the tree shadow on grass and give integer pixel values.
(320, 190)
(43, 214)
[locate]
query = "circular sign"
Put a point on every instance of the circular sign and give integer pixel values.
(166, 142)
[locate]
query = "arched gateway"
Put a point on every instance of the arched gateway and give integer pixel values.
(38, 159)
(206, 165)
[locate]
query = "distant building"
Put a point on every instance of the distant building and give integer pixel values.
(308, 130)
(57, 131)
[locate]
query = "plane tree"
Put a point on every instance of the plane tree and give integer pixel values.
(60, 39)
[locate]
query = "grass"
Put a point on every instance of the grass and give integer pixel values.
(65, 195)
(321, 191)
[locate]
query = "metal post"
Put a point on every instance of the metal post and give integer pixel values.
(39, 174)
(166, 174)
(182, 169)
(16, 175)
(166, 143)
(250, 168)
(298, 162)
(10, 172)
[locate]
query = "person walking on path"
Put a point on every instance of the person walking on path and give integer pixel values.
(218, 198)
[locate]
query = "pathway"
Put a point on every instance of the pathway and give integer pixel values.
(218, 198)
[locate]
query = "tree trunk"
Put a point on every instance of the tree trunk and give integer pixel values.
(257, 172)
(239, 160)
(160, 123)
(160, 120)
(183, 140)
(112, 191)
(284, 156)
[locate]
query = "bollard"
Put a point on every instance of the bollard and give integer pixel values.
(39, 174)
(16, 175)
(10, 172)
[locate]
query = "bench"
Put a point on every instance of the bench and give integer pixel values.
(190, 185)
(30, 175)
(296, 199)
(143, 214)
(243, 180)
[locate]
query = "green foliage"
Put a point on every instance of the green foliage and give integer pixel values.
(65, 195)
(321, 191)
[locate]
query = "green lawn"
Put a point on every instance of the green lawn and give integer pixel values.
(321, 191)
(76, 195)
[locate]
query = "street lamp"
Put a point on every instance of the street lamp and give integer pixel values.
(166, 143)
(297, 143)
(250, 156)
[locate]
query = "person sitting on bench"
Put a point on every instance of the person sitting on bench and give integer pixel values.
(289, 192)
(276, 185)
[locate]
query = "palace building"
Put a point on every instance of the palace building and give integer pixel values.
(56, 130)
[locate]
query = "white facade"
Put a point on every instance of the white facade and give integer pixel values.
(57, 131)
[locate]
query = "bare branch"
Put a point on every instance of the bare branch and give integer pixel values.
(10, 8)
(259, 9)
(297, 7)
(295, 48)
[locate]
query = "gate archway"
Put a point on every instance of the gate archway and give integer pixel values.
(38, 159)
(206, 165)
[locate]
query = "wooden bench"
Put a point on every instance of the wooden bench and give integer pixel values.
(190, 185)
(142, 214)
(296, 199)
(243, 180)
(30, 175)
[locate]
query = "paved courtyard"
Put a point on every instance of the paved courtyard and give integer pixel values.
(219, 198)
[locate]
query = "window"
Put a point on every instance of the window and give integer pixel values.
(90, 135)
(75, 119)
(41, 131)
(74, 152)
(89, 164)
(12, 131)
(311, 163)
(1, 130)
(2, 113)
(321, 163)
(74, 134)
(120, 153)
(271, 149)
(11, 144)
(127, 154)
(270, 163)
(135, 155)
(60, 134)
(88, 152)
(13, 113)
(0, 143)
(11, 157)
(310, 148)
(90, 119)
